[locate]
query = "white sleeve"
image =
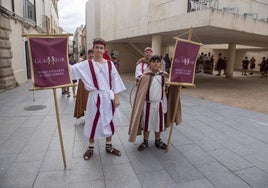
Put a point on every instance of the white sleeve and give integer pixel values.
(75, 74)
(138, 71)
(118, 85)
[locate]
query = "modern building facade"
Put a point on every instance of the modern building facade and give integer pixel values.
(235, 28)
(21, 18)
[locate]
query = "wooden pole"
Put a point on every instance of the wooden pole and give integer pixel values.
(47, 25)
(173, 117)
(54, 91)
(190, 33)
(59, 126)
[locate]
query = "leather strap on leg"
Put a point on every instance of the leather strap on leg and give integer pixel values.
(89, 152)
(111, 150)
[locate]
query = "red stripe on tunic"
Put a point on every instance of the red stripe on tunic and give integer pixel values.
(112, 123)
(91, 67)
(96, 119)
(147, 117)
(97, 115)
(160, 105)
(95, 82)
(110, 83)
(160, 117)
(110, 75)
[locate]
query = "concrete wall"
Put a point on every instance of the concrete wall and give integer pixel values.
(121, 19)
(256, 7)
(135, 18)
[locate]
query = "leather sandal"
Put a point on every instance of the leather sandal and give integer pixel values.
(87, 155)
(111, 150)
(159, 144)
(142, 146)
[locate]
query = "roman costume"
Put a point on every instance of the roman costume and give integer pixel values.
(102, 81)
(148, 102)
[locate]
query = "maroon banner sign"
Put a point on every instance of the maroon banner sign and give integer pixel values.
(49, 61)
(183, 62)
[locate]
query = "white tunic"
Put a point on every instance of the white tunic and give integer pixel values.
(140, 69)
(152, 108)
(82, 71)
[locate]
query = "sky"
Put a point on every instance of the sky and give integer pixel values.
(71, 14)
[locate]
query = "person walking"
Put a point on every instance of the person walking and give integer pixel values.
(104, 83)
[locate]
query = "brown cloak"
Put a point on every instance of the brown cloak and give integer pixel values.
(81, 100)
(142, 88)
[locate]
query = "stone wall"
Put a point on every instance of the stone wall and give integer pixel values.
(7, 79)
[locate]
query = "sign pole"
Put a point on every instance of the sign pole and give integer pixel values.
(59, 126)
(53, 87)
(173, 117)
(179, 86)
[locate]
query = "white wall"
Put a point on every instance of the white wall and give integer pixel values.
(118, 19)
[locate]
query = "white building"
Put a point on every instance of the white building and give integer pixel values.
(18, 18)
(233, 27)
(78, 45)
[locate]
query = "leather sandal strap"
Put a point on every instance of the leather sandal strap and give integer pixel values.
(112, 150)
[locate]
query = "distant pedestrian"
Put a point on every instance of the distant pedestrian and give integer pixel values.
(252, 64)
(167, 63)
(245, 64)
(220, 64)
(264, 67)
(116, 62)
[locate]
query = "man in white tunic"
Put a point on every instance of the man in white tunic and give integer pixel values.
(143, 63)
(103, 82)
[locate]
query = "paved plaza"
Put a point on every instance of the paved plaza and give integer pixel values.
(216, 145)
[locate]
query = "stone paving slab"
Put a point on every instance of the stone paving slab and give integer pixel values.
(216, 145)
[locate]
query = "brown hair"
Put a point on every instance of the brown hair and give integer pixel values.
(155, 58)
(99, 41)
(90, 51)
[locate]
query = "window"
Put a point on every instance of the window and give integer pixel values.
(28, 10)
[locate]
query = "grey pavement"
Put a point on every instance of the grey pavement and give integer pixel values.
(215, 146)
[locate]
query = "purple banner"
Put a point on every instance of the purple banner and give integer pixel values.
(183, 62)
(49, 60)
